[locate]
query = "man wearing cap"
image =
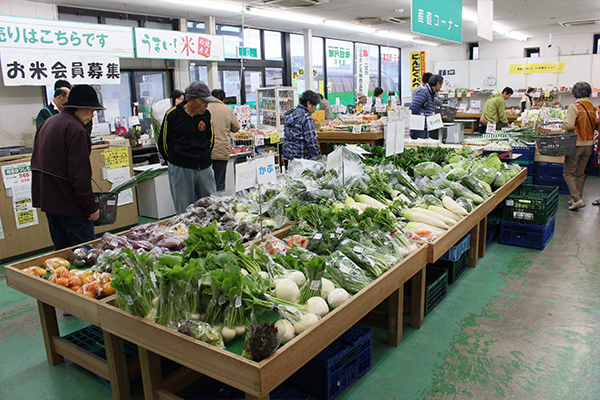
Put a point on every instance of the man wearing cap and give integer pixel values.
(62, 173)
(186, 141)
(61, 95)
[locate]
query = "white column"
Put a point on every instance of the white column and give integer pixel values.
(308, 63)
(210, 27)
(182, 76)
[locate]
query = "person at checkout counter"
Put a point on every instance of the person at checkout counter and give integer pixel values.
(424, 103)
(494, 110)
(61, 95)
(527, 100)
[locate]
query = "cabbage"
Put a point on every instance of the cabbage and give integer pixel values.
(499, 180)
(453, 158)
(449, 167)
(429, 169)
(485, 174)
(467, 151)
(456, 174)
(493, 161)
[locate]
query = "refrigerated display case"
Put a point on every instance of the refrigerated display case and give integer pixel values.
(272, 103)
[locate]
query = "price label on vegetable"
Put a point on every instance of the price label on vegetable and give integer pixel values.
(318, 236)
(238, 301)
(314, 285)
(339, 230)
(356, 129)
(259, 140)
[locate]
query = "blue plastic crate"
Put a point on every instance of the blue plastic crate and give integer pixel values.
(531, 236)
(527, 152)
(217, 390)
(458, 249)
(491, 232)
(338, 366)
(549, 169)
(593, 171)
(552, 181)
(499, 152)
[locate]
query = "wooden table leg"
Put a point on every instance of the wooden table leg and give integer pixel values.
(250, 397)
(151, 373)
(117, 366)
(474, 250)
(49, 330)
(482, 237)
(417, 301)
(395, 313)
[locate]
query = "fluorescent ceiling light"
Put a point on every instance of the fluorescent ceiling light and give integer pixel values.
(208, 4)
(351, 27)
(285, 16)
(469, 16)
(403, 37)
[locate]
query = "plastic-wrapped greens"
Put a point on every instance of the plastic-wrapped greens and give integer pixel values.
(346, 274)
(370, 259)
(440, 193)
(431, 200)
(465, 203)
(429, 169)
(202, 331)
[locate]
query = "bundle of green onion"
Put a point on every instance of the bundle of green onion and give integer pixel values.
(137, 179)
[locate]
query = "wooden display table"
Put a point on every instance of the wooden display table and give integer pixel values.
(257, 380)
(473, 118)
(328, 138)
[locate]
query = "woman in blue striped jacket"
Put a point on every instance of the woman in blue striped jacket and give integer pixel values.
(424, 102)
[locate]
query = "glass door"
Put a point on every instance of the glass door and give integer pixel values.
(252, 81)
(151, 87)
(231, 83)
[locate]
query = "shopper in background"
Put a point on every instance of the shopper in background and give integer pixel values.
(177, 96)
(494, 110)
(377, 94)
(185, 141)
(62, 174)
(424, 102)
(527, 100)
(300, 135)
(224, 122)
(361, 100)
(61, 95)
(325, 105)
(580, 119)
(424, 81)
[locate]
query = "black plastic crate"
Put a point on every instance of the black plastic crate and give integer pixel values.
(558, 182)
(531, 204)
(91, 339)
(219, 391)
(491, 233)
(338, 366)
(527, 152)
(436, 288)
(531, 236)
(454, 268)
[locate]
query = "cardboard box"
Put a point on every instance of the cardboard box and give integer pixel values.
(319, 115)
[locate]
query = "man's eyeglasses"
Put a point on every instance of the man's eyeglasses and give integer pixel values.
(201, 102)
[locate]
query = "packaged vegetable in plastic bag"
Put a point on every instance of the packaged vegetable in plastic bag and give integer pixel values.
(456, 174)
(372, 261)
(485, 174)
(346, 274)
(431, 200)
(261, 341)
(475, 186)
(465, 203)
(440, 193)
(429, 169)
(460, 191)
(202, 331)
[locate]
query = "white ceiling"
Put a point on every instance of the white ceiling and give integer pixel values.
(530, 17)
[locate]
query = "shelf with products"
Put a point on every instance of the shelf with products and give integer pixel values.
(272, 103)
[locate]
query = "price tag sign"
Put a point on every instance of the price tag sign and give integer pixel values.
(245, 175)
(134, 120)
(468, 94)
(547, 94)
(491, 127)
(16, 174)
(451, 95)
(265, 169)
(275, 137)
(259, 140)
(356, 129)
(380, 107)
(243, 114)
(417, 122)
(116, 157)
(434, 122)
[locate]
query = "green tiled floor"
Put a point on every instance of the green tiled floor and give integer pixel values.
(524, 324)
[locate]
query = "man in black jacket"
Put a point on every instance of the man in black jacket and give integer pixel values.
(62, 174)
(61, 95)
(185, 141)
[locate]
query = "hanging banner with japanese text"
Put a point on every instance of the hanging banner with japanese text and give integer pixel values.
(438, 18)
(176, 45)
(32, 35)
(418, 67)
(363, 69)
(21, 69)
(537, 68)
(338, 55)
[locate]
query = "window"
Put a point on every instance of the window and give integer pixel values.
(596, 48)
(273, 45)
(66, 13)
(532, 52)
(319, 80)
(150, 87)
(232, 37)
(196, 27)
(252, 80)
(340, 70)
(474, 51)
(198, 72)
(273, 77)
(390, 69)
(231, 83)
(297, 64)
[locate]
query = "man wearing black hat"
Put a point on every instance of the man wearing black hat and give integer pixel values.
(185, 141)
(62, 173)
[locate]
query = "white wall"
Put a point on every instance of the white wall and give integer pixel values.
(19, 105)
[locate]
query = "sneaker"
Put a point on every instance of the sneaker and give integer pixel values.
(577, 205)
(570, 202)
(596, 202)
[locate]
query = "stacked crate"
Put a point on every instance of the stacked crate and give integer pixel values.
(550, 174)
(526, 160)
(528, 216)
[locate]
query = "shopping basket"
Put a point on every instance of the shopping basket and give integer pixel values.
(555, 143)
(448, 113)
(107, 204)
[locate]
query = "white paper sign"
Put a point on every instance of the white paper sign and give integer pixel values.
(451, 95)
(491, 127)
(265, 170)
(117, 176)
(259, 140)
(36, 69)
(1, 230)
(32, 35)
(417, 122)
(135, 120)
(356, 129)
(243, 114)
(434, 122)
(400, 127)
(16, 174)
(381, 107)
(363, 68)
(390, 140)
(475, 103)
(594, 94)
(337, 101)
(334, 159)
(25, 213)
(245, 175)
(177, 45)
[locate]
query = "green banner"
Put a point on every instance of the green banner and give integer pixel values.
(438, 18)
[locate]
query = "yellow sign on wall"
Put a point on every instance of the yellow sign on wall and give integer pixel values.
(116, 157)
(418, 67)
(537, 68)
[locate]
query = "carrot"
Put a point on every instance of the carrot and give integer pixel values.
(297, 240)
